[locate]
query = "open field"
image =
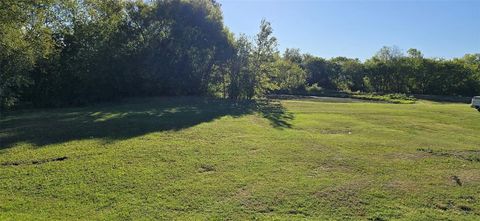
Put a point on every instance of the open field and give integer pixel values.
(198, 158)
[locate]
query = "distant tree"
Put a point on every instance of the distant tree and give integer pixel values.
(348, 74)
(385, 70)
(293, 55)
(387, 54)
(242, 78)
(317, 70)
(472, 62)
(414, 53)
(263, 58)
(416, 71)
(290, 76)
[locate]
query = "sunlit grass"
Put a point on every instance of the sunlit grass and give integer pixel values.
(196, 158)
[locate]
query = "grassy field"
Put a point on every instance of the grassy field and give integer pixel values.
(197, 158)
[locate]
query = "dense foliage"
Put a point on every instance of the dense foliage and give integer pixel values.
(71, 52)
(101, 50)
(389, 71)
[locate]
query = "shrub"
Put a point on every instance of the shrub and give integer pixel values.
(314, 89)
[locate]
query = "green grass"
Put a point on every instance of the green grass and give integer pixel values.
(195, 158)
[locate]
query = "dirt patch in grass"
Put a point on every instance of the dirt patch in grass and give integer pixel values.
(457, 180)
(346, 196)
(247, 200)
(336, 164)
(335, 131)
(453, 205)
(205, 168)
(404, 186)
(468, 155)
(468, 176)
(405, 156)
(33, 162)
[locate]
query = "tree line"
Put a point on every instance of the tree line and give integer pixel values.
(391, 71)
(73, 52)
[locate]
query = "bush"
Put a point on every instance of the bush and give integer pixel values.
(390, 98)
(314, 89)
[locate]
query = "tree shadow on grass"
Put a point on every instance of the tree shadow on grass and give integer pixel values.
(133, 118)
(275, 113)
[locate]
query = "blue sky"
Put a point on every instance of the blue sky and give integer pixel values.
(360, 28)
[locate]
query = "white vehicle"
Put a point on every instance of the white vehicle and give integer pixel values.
(476, 102)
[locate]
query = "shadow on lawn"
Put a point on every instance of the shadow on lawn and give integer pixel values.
(133, 118)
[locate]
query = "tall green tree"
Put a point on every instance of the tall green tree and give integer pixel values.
(317, 70)
(24, 39)
(242, 78)
(289, 77)
(263, 58)
(294, 55)
(348, 74)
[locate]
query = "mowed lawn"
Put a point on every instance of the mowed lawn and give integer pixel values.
(193, 158)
